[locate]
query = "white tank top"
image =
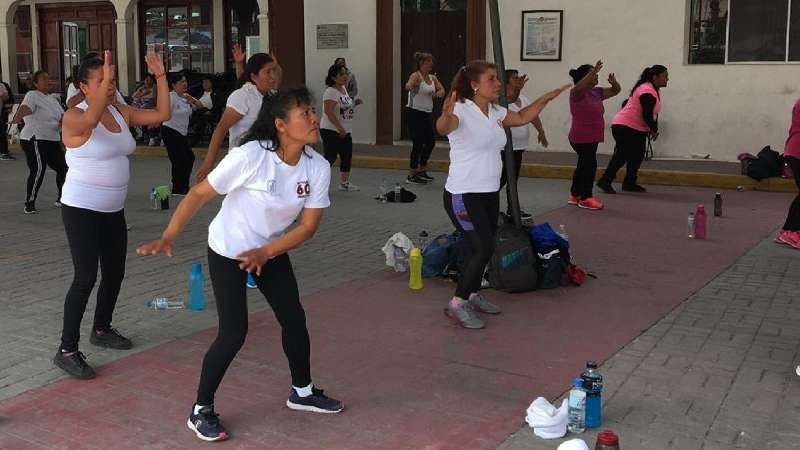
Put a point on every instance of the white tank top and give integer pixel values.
(422, 98)
(99, 169)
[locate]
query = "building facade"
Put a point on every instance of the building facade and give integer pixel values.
(732, 63)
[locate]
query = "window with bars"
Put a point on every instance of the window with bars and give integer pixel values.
(182, 32)
(744, 31)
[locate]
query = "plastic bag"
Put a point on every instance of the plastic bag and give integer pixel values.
(397, 240)
(547, 421)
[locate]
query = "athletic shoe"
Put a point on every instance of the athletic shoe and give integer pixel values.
(75, 365)
(782, 237)
(251, 283)
(30, 210)
(424, 175)
(7, 157)
(416, 179)
(606, 187)
(590, 203)
(206, 425)
(572, 200)
(316, 402)
(464, 315)
(792, 238)
(480, 303)
(57, 204)
(525, 215)
(111, 339)
(633, 188)
(349, 187)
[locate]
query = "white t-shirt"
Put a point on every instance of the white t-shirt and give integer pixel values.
(264, 195)
(206, 100)
(520, 135)
(344, 110)
(45, 122)
(246, 101)
(72, 91)
(475, 147)
(181, 112)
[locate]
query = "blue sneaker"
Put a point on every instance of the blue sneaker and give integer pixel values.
(316, 402)
(206, 425)
(251, 282)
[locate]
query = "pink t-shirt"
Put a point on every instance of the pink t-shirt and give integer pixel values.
(588, 124)
(792, 147)
(631, 115)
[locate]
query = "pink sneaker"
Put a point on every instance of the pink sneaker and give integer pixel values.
(572, 200)
(590, 203)
(792, 238)
(781, 238)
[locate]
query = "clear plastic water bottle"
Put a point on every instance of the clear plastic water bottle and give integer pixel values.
(383, 189)
(397, 192)
(577, 408)
(163, 303)
(562, 231)
(197, 299)
(400, 260)
(690, 226)
(155, 202)
(593, 385)
(423, 240)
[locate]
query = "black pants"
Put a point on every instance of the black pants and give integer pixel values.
(337, 146)
(40, 154)
(93, 237)
(182, 159)
(278, 284)
(422, 137)
(793, 218)
(585, 170)
(3, 133)
(503, 175)
(629, 150)
(475, 215)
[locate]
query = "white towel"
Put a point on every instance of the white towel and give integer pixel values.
(574, 444)
(398, 240)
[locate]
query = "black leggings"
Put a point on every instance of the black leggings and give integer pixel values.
(421, 128)
(279, 286)
(475, 215)
(181, 156)
(40, 154)
(630, 150)
(504, 178)
(585, 170)
(793, 218)
(337, 146)
(93, 237)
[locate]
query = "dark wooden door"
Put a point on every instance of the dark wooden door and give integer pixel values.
(287, 39)
(441, 33)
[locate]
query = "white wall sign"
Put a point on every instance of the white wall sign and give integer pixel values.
(332, 35)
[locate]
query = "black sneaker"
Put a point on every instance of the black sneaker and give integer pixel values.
(424, 175)
(7, 157)
(606, 187)
(206, 425)
(633, 188)
(111, 339)
(30, 210)
(525, 215)
(316, 402)
(74, 364)
(415, 180)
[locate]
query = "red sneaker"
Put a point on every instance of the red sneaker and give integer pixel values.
(590, 203)
(781, 238)
(792, 238)
(572, 200)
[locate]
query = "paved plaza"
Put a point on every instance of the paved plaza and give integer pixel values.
(699, 339)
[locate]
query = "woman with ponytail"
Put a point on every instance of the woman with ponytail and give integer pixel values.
(273, 178)
(474, 124)
(422, 87)
(588, 129)
(637, 120)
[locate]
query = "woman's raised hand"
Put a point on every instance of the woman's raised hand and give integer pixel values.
(155, 63)
(108, 68)
(449, 105)
(238, 54)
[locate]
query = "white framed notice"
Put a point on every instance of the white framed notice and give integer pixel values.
(333, 36)
(541, 35)
(252, 45)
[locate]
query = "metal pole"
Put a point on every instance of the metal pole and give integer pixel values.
(511, 173)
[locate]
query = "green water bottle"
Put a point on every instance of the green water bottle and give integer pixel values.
(415, 269)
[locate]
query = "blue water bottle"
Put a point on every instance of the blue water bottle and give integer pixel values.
(593, 384)
(197, 299)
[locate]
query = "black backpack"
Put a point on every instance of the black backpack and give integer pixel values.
(512, 267)
(768, 164)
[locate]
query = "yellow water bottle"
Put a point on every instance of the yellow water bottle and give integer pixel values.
(415, 269)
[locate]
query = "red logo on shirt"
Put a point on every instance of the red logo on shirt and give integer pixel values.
(303, 189)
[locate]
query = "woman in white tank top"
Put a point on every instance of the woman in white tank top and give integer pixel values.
(422, 87)
(98, 141)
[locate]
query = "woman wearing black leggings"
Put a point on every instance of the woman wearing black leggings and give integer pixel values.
(631, 127)
(473, 123)
(337, 124)
(422, 87)
(175, 134)
(270, 180)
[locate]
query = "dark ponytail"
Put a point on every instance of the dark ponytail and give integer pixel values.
(276, 106)
(253, 66)
(648, 74)
(580, 73)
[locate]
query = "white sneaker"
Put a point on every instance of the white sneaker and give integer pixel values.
(348, 187)
(57, 204)
(152, 142)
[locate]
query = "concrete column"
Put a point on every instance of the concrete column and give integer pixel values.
(218, 30)
(263, 24)
(35, 46)
(8, 58)
(126, 59)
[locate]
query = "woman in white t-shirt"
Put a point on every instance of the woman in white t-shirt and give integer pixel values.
(422, 87)
(175, 134)
(337, 124)
(41, 138)
(473, 123)
(261, 75)
(519, 135)
(273, 178)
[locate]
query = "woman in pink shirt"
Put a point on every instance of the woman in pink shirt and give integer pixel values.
(588, 128)
(631, 126)
(790, 233)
